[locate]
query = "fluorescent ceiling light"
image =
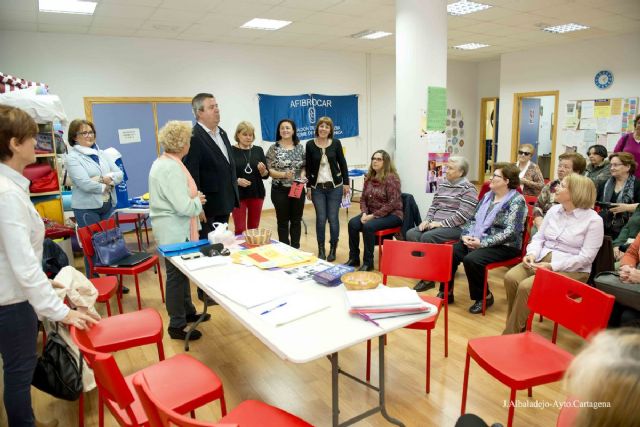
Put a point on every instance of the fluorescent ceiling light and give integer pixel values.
(265, 24)
(565, 28)
(370, 35)
(78, 7)
(464, 7)
(470, 46)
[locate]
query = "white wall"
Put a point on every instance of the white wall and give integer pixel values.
(76, 66)
(569, 68)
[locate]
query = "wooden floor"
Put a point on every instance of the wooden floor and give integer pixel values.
(249, 370)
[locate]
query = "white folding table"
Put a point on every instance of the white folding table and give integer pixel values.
(322, 334)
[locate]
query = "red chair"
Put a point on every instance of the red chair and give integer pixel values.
(107, 287)
(506, 263)
(248, 413)
(380, 234)
(182, 383)
(85, 234)
(522, 361)
(138, 220)
(426, 261)
(120, 333)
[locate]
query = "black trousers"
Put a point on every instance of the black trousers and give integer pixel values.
(368, 229)
(474, 263)
(289, 212)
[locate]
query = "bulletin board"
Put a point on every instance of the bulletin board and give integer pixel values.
(130, 125)
(597, 121)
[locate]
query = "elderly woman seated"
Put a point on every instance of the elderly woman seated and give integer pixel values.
(493, 234)
(453, 205)
(567, 242)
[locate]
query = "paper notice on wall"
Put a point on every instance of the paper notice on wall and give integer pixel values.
(602, 111)
(602, 140)
(587, 108)
(436, 108)
(588, 123)
(437, 142)
(601, 125)
(571, 123)
(571, 109)
(616, 106)
(589, 137)
(129, 136)
(614, 123)
(612, 140)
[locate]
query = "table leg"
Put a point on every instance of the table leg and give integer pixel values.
(383, 408)
(335, 401)
(194, 326)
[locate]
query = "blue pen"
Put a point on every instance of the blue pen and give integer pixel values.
(271, 309)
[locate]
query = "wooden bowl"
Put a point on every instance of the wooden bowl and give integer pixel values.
(359, 280)
(257, 236)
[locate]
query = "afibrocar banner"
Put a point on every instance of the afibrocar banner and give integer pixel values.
(305, 110)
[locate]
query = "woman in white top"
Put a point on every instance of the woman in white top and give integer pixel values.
(567, 242)
(25, 291)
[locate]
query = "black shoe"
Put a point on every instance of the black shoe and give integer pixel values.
(125, 290)
(352, 262)
(332, 252)
(451, 298)
(195, 316)
(476, 308)
(423, 285)
(207, 299)
(321, 252)
(366, 267)
(181, 334)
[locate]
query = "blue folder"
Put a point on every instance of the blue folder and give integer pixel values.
(181, 248)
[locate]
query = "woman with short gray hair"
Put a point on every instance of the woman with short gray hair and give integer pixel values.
(453, 204)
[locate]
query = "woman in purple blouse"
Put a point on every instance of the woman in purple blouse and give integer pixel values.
(630, 143)
(381, 206)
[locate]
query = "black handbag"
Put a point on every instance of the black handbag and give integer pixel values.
(109, 246)
(58, 372)
(627, 294)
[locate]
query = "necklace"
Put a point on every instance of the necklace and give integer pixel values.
(247, 168)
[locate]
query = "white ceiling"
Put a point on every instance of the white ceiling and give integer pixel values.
(510, 25)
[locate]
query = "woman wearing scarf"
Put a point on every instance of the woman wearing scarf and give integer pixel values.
(94, 176)
(567, 242)
(620, 194)
(493, 234)
(174, 207)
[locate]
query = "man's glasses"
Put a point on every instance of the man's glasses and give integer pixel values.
(524, 153)
(87, 133)
(377, 159)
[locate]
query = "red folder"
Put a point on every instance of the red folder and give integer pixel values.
(296, 190)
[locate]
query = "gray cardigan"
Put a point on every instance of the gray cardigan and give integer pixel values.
(82, 169)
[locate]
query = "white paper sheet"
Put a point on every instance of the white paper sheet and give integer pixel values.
(285, 310)
(587, 109)
(251, 287)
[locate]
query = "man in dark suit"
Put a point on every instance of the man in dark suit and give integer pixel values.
(211, 164)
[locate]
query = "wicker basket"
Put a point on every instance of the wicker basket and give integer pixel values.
(359, 280)
(257, 236)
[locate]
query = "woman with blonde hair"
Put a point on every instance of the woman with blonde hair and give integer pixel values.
(174, 207)
(380, 206)
(531, 179)
(603, 380)
(567, 242)
(251, 169)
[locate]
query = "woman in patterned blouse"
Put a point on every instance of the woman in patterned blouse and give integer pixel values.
(286, 164)
(381, 206)
(531, 180)
(493, 234)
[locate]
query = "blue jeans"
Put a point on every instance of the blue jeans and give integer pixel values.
(86, 217)
(376, 224)
(18, 332)
(327, 204)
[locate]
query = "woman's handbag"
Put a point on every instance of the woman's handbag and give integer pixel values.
(58, 373)
(627, 294)
(109, 246)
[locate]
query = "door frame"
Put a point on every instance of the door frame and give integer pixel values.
(483, 131)
(515, 125)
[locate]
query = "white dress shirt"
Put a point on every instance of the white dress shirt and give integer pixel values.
(573, 239)
(215, 135)
(21, 237)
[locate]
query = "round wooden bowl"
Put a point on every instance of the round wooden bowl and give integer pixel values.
(360, 280)
(257, 236)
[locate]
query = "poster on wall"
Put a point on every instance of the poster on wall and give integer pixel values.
(305, 110)
(455, 131)
(436, 108)
(436, 170)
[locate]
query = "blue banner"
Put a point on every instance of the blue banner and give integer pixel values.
(305, 110)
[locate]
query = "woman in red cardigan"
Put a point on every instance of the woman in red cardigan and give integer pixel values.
(381, 206)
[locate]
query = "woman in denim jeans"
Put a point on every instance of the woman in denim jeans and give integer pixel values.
(328, 183)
